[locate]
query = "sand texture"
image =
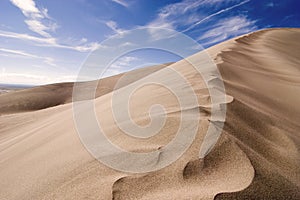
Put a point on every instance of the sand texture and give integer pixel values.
(256, 157)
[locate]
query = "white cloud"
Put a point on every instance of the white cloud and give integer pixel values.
(182, 16)
(66, 78)
(161, 23)
(37, 20)
(121, 65)
(3, 70)
(124, 61)
(27, 37)
(167, 15)
(122, 3)
(225, 28)
(50, 42)
(23, 78)
(215, 14)
(126, 44)
(26, 6)
(114, 26)
(270, 4)
(31, 76)
(181, 13)
(83, 40)
(44, 11)
(38, 27)
(187, 15)
(17, 52)
(48, 60)
(92, 46)
(34, 78)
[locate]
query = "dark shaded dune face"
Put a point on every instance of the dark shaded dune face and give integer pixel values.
(261, 72)
(273, 150)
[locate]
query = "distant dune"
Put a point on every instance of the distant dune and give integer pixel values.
(5, 88)
(256, 157)
(41, 97)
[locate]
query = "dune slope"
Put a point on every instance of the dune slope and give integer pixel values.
(261, 71)
(256, 157)
(41, 97)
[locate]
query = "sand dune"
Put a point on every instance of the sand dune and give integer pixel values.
(256, 157)
(46, 96)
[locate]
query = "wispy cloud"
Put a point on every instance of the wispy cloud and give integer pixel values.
(270, 4)
(40, 28)
(48, 60)
(122, 3)
(184, 13)
(193, 14)
(167, 16)
(26, 37)
(29, 76)
(17, 52)
(114, 26)
(22, 78)
(215, 14)
(187, 14)
(37, 20)
(226, 28)
(121, 65)
(51, 42)
(28, 7)
(33, 79)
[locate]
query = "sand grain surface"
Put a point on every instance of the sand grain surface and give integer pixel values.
(256, 157)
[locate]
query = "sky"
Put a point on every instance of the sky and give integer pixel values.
(47, 41)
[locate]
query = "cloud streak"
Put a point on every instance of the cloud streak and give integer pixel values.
(192, 15)
(215, 14)
(226, 28)
(35, 18)
(121, 65)
(40, 22)
(48, 60)
(17, 52)
(50, 42)
(114, 26)
(122, 3)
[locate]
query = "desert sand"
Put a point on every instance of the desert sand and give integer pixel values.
(256, 157)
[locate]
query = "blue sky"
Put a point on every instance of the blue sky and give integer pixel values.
(46, 41)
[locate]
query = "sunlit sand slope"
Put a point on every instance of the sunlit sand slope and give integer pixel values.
(256, 157)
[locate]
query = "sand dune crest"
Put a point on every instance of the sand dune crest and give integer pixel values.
(256, 157)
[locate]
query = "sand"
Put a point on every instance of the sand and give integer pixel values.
(41, 97)
(256, 157)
